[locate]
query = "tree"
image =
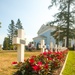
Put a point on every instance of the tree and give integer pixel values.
(11, 31)
(19, 24)
(5, 43)
(65, 16)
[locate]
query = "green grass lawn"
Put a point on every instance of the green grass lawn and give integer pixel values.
(70, 64)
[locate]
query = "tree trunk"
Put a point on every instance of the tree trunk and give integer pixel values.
(68, 24)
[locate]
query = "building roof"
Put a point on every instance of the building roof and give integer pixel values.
(45, 28)
(40, 37)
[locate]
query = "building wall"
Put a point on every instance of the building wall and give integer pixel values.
(47, 40)
(36, 41)
(49, 37)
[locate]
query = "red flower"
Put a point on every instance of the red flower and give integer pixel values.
(49, 52)
(39, 63)
(49, 58)
(14, 62)
(31, 60)
(46, 66)
(45, 53)
(36, 68)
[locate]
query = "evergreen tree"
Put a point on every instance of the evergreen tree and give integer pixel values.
(65, 16)
(5, 43)
(11, 31)
(19, 24)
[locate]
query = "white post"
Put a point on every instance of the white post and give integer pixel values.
(21, 46)
(55, 47)
(20, 42)
(51, 46)
(42, 45)
(20, 53)
(21, 33)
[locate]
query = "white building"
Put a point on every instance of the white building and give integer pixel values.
(45, 33)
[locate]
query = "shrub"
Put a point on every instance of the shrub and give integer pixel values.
(42, 64)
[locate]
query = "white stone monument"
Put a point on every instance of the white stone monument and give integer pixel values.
(20, 42)
(42, 45)
(56, 48)
(51, 46)
(59, 48)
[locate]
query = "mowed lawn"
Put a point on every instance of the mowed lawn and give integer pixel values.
(6, 59)
(70, 64)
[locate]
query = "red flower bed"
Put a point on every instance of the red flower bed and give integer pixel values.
(43, 64)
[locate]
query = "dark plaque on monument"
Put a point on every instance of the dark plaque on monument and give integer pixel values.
(22, 41)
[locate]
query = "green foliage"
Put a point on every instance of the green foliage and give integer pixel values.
(43, 64)
(11, 31)
(65, 17)
(70, 64)
(5, 44)
(19, 24)
(11, 47)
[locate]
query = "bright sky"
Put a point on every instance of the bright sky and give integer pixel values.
(32, 13)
